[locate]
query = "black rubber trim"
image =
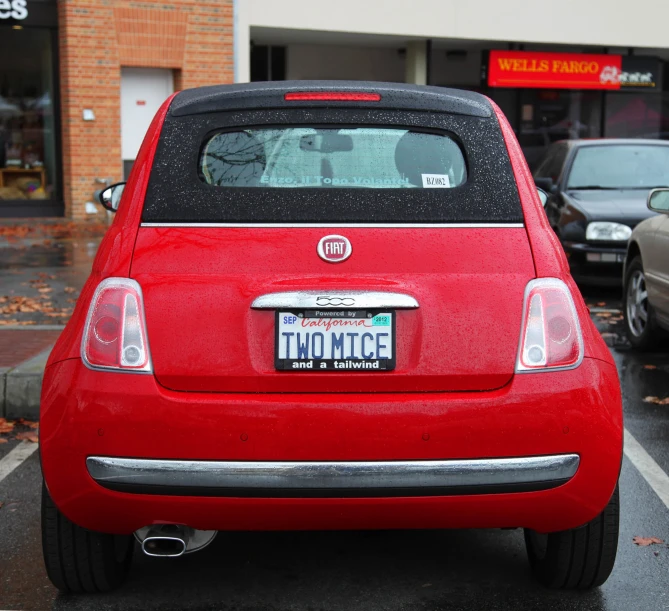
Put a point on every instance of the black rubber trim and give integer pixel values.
(331, 493)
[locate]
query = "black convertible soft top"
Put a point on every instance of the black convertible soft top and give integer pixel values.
(178, 194)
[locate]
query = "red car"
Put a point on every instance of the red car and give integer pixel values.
(328, 305)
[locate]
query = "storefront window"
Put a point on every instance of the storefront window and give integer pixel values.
(27, 116)
(637, 115)
(547, 116)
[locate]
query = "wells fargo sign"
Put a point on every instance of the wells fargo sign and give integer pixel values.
(555, 70)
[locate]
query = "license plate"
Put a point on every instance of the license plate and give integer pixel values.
(606, 257)
(335, 340)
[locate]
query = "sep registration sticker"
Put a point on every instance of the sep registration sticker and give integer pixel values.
(436, 181)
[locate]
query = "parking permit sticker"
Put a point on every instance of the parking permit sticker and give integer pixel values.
(436, 181)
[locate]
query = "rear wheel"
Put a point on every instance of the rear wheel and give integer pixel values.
(639, 316)
(79, 560)
(581, 558)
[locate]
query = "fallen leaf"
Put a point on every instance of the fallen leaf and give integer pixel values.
(14, 321)
(656, 400)
(27, 437)
(646, 541)
(650, 366)
(1, 504)
(33, 424)
(3, 440)
(45, 289)
(15, 231)
(603, 314)
(601, 304)
(6, 427)
(70, 289)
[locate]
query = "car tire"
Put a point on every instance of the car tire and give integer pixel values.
(79, 560)
(580, 558)
(641, 334)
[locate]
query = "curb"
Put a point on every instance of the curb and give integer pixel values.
(21, 386)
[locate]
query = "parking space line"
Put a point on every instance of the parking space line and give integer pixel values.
(16, 456)
(649, 469)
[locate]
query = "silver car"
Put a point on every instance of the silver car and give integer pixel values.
(646, 275)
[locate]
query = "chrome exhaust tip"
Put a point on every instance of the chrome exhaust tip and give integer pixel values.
(164, 547)
(172, 540)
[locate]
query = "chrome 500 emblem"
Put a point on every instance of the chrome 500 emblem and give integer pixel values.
(325, 301)
(334, 248)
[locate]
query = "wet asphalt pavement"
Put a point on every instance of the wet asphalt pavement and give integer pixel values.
(347, 571)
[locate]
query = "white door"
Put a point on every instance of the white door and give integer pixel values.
(143, 90)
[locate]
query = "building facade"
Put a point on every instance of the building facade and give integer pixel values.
(80, 80)
(576, 69)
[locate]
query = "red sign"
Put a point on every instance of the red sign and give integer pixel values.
(526, 69)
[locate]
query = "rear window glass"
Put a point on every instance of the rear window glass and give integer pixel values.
(314, 157)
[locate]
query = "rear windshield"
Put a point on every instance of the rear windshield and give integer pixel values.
(359, 158)
(331, 166)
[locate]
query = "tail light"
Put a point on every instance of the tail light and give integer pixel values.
(550, 337)
(115, 333)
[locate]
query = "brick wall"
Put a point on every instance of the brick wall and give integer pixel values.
(97, 39)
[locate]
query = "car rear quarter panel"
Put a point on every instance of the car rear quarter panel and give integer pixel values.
(547, 252)
(114, 255)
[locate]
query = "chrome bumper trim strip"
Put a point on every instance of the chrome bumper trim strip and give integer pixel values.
(328, 300)
(332, 479)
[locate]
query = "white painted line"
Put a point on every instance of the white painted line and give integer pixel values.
(21, 452)
(649, 469)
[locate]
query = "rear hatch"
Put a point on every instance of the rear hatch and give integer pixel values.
(238, 203)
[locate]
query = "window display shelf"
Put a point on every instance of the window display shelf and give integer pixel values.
(10, 176)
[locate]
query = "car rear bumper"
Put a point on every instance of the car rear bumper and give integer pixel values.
(347, 461)
(332, 479)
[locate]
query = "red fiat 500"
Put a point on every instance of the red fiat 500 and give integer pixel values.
(328, 305)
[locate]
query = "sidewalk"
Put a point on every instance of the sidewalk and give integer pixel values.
(43, 265)
(23, 355)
